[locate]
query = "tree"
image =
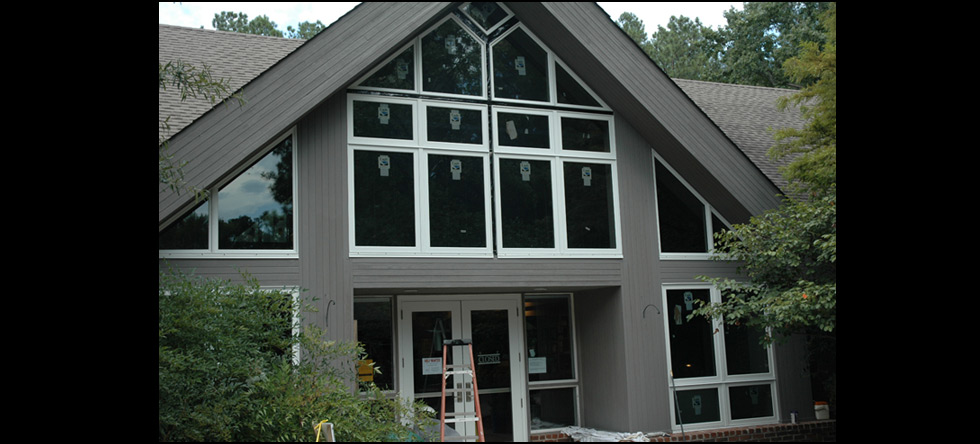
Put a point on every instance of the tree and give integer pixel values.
(262, 25)
(686, 49)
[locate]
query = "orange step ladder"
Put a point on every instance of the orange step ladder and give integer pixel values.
(457, 417)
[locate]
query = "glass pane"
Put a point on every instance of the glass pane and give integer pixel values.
(520, 68)
(457, 216)
(429, 328)
(743, 352)
(570, 92)
(698, 406)
(547, 322)
(691, 344)
(452, 61)
(498, 423)
(527, 219)
(485, 14)
(384, 199)
(454, 125)
(589, 213)
(585, 135)
(384, 120)
(681, 216)
(397, 74)
(374, 330)
(255, 211)
(751, 401)
(523, 130)
(553, 408)
(491, 349)
(717, 226)
(189, 233)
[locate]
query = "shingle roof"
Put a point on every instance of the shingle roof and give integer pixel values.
(234, 56)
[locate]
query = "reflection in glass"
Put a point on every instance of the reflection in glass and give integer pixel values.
(189, 233)
(374, 330)
(552, 408)
(255, 211)
(585, 135)
(698, 406)
(454, 125)
(570, 92)
(383, 120)
(452, 61)
(523, 130)
(547, 323)
(520, 68)
(527, 219)
(485, 14)
(384, 198)
(691, 345)
(751, 401)
(589, 213)
(743, 354)
(396, 74)
(681, 215)
(429, 329)
(457, 214)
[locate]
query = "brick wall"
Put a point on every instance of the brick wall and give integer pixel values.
(814, 431)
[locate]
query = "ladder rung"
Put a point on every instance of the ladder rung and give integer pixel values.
(459, 390)
(460, 438)
(457, 366)
(454, 420)
(460, 413)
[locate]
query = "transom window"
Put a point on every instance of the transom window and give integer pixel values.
(475, 140)
(250, 216)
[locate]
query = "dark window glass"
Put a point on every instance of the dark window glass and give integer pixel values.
(585, 134)
(520, 68)
(717, 226)
(384, 120)
(457, 216)
(189, 233)
(452, 61)
(681, 216)
(523, 130)
(751, 401)
(485, 14)
(698, 406)
(255, 211)
(552, 408)
(589, 214)
(547, 321)
(743, 352)
(396, 74)
(454, 125)
(527, 220)
(374, 330)
(384, 199)
(570, 92)
(691, 345)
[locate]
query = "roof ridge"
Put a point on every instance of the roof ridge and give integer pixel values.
(243, 34)
(734, 84)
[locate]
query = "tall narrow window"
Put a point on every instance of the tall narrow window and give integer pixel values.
(457, 216)
(590, 216)
(384, 198)
(373, 317)
(527, 218)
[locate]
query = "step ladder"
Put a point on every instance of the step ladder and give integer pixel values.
(451, 370)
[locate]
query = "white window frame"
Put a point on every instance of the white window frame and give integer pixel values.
(708, 213)
(496, 25)
(213, 250)
(722, 381)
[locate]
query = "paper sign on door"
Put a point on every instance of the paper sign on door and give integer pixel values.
(431, 366)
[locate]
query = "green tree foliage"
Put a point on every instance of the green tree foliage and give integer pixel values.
(687, 49)
(227, 371)
(262, 25)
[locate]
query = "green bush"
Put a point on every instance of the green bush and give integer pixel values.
(227, 370)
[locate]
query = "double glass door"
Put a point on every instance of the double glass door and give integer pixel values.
(494, 326)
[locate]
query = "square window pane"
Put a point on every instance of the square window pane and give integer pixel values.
(384, 199)
(457, 213)
(454, 125)
(520, 68)
(692, 350)
(548, 325)
(585, 135)
(681, 216)
(397, 74)
(751, 401)
(383, 120)
(374, 330)
(570, 92)
(189, 233)
(452, 61)
(255, 211)
(553, 408)
(523, 130)
(527, 219)
(589, 214)
(698, 406)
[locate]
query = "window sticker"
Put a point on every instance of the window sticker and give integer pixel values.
(587, 176)
(526, 171)
(384, 163)
(401, 69)
(456, 168)
(450, 44)
(521, 65)
(383, 113)
(431, 366)
(454, 119)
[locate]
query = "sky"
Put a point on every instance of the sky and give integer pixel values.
(198, 14)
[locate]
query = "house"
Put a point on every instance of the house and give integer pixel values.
(521, 174)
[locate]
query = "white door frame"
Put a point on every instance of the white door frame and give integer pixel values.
(462, 305)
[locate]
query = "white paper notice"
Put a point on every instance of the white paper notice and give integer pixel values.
(431, 366)
(537, 365)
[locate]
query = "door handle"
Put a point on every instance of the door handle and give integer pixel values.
(469, 393)
(459, 386)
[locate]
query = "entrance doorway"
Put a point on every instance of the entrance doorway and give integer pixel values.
(493, 323)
